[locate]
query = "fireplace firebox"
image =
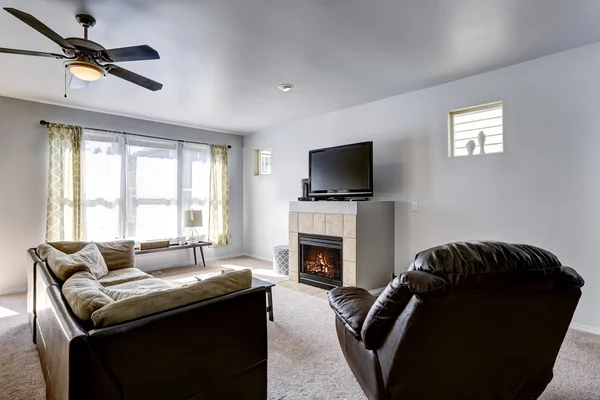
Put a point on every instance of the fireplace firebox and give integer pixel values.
(320, 260)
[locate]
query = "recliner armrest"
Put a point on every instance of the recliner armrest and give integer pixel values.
(394, 298)
(351, 305)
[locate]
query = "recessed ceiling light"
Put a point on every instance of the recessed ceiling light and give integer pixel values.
(285, 87)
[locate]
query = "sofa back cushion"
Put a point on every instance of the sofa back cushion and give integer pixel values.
(117, 254)
(64, 265)
(155, 302)
(84, 295)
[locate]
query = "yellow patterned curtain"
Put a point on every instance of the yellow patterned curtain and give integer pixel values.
(64, 211)
(218, 223)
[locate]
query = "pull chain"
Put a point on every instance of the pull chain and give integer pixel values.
(65, 82)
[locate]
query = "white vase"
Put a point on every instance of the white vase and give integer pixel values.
(470, 147)
(481, 140)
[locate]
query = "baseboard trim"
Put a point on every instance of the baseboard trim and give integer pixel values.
(269, 259)
(15, 290)
(226, 257)
(586, 328)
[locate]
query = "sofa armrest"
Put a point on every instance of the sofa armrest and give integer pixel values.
(351, 305)
(58, 331)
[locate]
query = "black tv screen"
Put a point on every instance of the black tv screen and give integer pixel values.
(343, 171)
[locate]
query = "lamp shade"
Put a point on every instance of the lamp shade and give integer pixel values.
(192, 218)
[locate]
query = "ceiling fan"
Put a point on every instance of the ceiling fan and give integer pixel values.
(87, 60)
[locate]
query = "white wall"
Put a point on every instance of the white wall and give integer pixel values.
(23, 180)
(544, 190)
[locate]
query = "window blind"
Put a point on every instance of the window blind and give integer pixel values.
(466, 124)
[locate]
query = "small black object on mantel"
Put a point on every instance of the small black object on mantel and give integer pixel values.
(305, 187)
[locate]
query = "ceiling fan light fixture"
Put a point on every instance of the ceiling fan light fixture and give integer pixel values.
(85, 71)
(88, 61)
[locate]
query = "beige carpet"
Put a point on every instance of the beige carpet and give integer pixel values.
(305, 361)
(20, 372)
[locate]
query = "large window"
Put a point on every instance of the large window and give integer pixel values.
(138, 188)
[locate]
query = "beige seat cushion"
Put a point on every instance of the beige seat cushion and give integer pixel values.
(140, 306)
(65, 265)
(135, 288)
(117, 254)
(84, 295)
(118, 276)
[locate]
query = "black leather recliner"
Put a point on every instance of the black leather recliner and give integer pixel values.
(469, 320)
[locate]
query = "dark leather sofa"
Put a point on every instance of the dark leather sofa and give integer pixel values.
(215, 349)
(470, 320)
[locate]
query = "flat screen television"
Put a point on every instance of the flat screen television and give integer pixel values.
(342, 171)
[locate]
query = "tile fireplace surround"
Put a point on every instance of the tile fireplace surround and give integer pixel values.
(367, 232)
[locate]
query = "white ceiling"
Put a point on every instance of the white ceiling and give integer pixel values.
(221, 60)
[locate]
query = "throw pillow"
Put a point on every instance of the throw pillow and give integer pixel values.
(65, 265)
(84, 295)
(117, 254)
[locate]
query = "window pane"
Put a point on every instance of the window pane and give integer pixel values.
(151, 189)
(265, 161)
(155, 222)
(102, 223)
(101, 179)
(485, 114)
(196, 182)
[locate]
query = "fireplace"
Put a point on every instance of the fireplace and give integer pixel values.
(320, 260)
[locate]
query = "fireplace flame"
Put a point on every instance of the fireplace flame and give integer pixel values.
(321, 265)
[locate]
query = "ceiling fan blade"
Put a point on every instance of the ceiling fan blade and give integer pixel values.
(40, 27)
(31, 53)
(134, 78)
(76, 83)
(134, 53)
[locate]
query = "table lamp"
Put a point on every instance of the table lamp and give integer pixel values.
(192, 219)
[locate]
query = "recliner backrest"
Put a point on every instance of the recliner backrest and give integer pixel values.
(466, 268)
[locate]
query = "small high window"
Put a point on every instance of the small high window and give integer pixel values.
(262, 162)
(474, 127)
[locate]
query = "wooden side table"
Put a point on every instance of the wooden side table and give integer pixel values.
(200, 245)
(267, 285)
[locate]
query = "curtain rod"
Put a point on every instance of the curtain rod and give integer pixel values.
(46, 123)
